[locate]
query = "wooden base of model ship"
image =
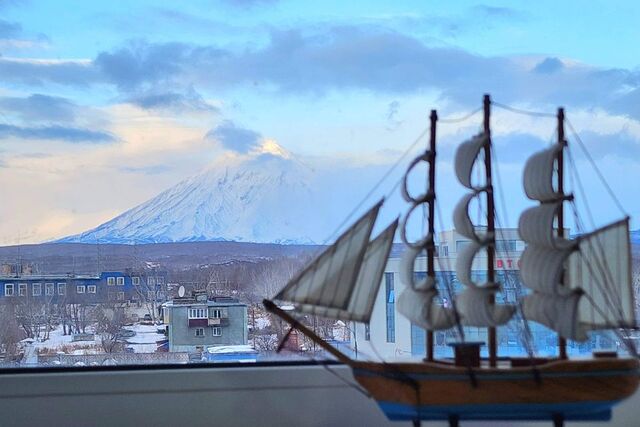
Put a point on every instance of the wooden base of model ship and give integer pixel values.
(556, 390)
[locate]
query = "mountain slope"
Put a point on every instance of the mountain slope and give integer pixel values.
(262, 198)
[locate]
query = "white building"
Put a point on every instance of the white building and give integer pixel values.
(389, 335)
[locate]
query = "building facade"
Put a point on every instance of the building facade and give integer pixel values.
(197, 322)
(390, 335)
(111, 286)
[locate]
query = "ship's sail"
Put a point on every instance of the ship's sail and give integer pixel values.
(419, 301)
(476, 303)
(343, 281)
(578, 285)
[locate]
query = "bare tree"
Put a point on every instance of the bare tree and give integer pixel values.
(110, 320)
(29, 315)
(265, 341)
(10, 333)
(79, 317)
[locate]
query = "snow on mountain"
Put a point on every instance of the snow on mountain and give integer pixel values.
(264, 198)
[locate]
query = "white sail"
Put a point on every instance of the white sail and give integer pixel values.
(407, 272)
(478, 309)
(538, 175)
(557, 312)
(462, 221)
(466, 156)
(541, 269)
(364, 293)
(476, 303)
(602, 269)
(421, 309)
(536, 227)
(418, 301)
(578, 285)
(342, 282)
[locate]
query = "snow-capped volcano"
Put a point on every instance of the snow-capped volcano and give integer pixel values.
(264, 197)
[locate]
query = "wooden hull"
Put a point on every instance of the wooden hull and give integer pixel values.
(571, 389)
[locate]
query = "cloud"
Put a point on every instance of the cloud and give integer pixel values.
(7, 3)
(235, 138)
(325, 59)
(147, 170)
(67, 134)
(548, 66)
(40, 107)
(497, 12)
(174, 101)
(37, 72)
(619, 144)
(392, 111)
(248, 3)
(9, 30)
(140, 63)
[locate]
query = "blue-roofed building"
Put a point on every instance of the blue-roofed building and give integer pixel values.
(108, 286)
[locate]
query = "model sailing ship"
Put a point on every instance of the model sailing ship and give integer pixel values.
(576, 286)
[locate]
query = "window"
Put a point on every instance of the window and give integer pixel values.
(200, 332)
(135, 280)
(22, 290)
(505, 245)
(36, 289)
(80, 289)
(8, 289)
(111, 295)
(49, 289)
(444, 251)
(91, 289)
(111, 281)
(62, 288)
(216, 314)
(160, 280)
(197, 313)
(367, 332)
(217, 331)
(151, 295)
(151, 281)
(120, 296)
(418, 341)
(120, 281)
(391, 306)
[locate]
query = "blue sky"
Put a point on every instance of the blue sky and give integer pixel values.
(104, 104)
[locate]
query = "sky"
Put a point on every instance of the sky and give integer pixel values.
(105, 104)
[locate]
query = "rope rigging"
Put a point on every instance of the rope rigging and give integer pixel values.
(527, 336)
(393, 167)
(611, 294)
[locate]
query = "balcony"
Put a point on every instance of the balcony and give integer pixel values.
(220, 321)
(198, 323)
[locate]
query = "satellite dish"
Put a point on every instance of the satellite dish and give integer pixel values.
(181, 291)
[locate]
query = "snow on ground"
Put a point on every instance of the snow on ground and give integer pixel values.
(262, 322)
(58, 342)
(144, 341)
(231, 349)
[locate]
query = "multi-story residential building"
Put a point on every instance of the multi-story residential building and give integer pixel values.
(391, 335)
(197, 322)
(112, 286)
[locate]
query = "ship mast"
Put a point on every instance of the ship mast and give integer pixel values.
(562, 342)
(431, 223)
(490, 222)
